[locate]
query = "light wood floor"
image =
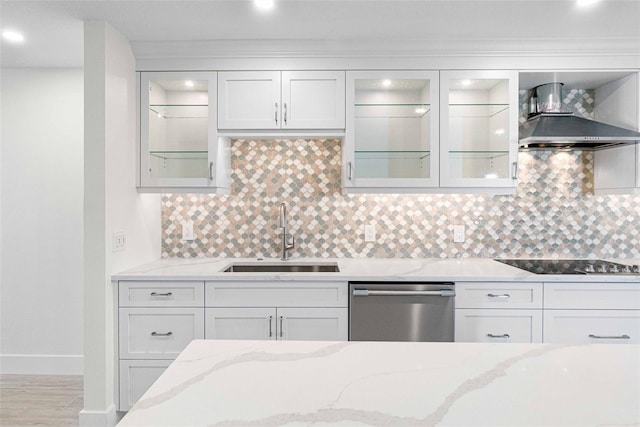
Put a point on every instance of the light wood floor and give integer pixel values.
(40, 400)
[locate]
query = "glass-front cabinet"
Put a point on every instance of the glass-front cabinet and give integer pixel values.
(478, 129)
(179, 146)
(391, 138)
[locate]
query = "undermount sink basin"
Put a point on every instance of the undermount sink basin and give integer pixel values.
(282, 268)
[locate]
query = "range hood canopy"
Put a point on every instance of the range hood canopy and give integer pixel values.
(548, 128)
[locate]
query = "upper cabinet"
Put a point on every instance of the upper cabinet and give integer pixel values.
(273, 100)
(391, 139)
(478, 129)
(179, 146)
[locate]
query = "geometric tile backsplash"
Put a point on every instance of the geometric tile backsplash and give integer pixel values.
(553, 213)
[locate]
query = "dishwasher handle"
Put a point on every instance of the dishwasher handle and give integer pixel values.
(440, 293)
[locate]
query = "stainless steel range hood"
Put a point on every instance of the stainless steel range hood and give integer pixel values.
(548, 128)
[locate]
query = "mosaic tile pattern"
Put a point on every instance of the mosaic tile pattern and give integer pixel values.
(553, 214)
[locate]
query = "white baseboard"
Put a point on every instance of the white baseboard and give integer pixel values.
(106, 418)
(41, 364)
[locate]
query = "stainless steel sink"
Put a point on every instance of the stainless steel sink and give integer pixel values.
(282, 268)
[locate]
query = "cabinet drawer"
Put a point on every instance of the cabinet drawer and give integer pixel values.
(515, 326)
(276, 294)
(136, 376)
(592, 326)
(161, 294)
(153, 333)
(498, 295)
(606, 296)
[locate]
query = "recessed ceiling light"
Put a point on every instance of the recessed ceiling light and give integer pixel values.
(188, 83)
(264, 4)
(12, 36)
(585, 3)
(386, 82)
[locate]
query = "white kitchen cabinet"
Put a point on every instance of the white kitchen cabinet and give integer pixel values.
(498, 312)
(179, 146)
(277, 310)
(391, 138)
(282, 323)
(479, 130)
(498, 325)
(591, 313)
(155, 322)
(271, 100)
(135, 377)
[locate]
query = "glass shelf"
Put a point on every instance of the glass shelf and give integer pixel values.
(391, 155)
(180, 155)
(180, 111)
(392, 111)
(477, 154)
(476, 110)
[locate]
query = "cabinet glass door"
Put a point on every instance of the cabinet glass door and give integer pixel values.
(178, 129)
(392, 131)
(478, 129)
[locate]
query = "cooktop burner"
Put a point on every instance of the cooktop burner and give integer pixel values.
(571, 266)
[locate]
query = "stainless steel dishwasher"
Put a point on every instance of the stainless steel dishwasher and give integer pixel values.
(384, 311)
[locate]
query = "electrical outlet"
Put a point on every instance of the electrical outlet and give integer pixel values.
(458, 233)
(187, 230)
(119, 241)
(370, 233)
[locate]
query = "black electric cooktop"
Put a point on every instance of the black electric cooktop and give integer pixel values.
(571, 266)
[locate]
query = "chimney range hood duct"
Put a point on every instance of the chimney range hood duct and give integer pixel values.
(549, 128)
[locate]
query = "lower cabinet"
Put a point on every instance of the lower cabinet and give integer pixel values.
(135, 377)
(498, 326)
(284, 323)
(592, 326)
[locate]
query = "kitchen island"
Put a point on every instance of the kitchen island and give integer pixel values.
(277, 383)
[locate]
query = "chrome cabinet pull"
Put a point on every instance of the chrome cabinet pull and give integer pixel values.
(270, 329)
(499, 295)
(275, 114)
(281, 320)
(515, 170)
(156, 294)
(210, 171)
(159, 334)
(349, 169)
(285, 113)
(610, 337)
(440, 293)
(499, 336)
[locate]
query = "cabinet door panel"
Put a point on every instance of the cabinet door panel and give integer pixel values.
(612, 296)
(313, 99)
(481, 325)
(154, 333)
(592, 326)
(313, 324)
(240, 323)
(249, 100)
(136, 376)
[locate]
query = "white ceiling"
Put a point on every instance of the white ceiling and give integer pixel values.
(53, 29)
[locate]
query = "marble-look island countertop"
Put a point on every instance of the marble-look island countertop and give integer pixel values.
(296, 383)
(360, 269)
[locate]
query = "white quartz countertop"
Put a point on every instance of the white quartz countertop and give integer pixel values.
(360, 269)
(296, 383)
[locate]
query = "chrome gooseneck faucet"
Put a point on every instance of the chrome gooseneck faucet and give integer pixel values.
(286, 246)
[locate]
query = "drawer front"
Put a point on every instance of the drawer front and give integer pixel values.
(592, 326)
(498, 295)
(154, 333)
(498, 326)
(276, 294)
(136, 376)
(161, 294)
(605, 296)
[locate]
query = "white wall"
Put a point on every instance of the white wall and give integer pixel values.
(111, 204)
(41, 277)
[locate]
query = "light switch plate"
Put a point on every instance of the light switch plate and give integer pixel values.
(458, 234)
(119, 241)
(187, 230)
(370, 233)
